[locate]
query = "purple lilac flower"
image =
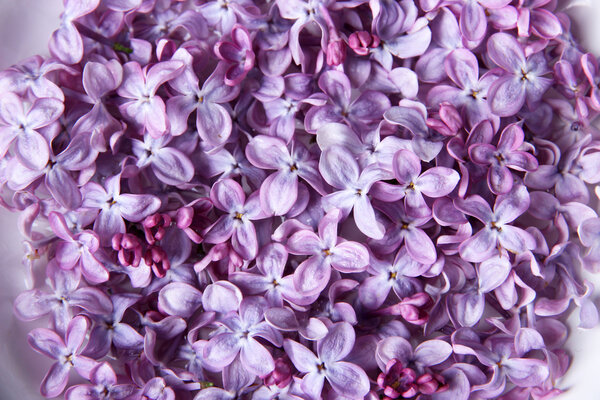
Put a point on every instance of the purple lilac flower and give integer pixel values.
(345, 378)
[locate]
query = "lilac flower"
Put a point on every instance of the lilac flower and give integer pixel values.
(67, 354)
(497, 231)
(33, 74)
(369, 148)
(111, 330)
(144, 108)
(398, 275)
(269, 280)
(169, 164)
(523, 77)
(19, 124)
(238, 337)
(228, 196)
(435, 182)
(79, 155)
(471, 92)
(65, 295)
(345, 378)
(502, 157)
(213, 120)
(504, 355)
(279, 191)
(66, 43)
(339, 168)
(325, 251)
(104, 383)
(237, 55)
(78, 249)
(223, 14)
(362, 112)
(405, 229)
(114, 207)
(402, 34)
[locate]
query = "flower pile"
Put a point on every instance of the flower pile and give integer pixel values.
(305, 199)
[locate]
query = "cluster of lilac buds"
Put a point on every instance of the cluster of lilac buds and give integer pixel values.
(305, 199)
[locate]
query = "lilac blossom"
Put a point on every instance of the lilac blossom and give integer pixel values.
(522, 79)
(227, 195)
(339, 168)
(279, 191)
(238, 337)
(20, 124)
(114, 206)
(103, 383)
(361, 112)
(237, 54)
(144, 108)
(435, 182)
(497, 231)
(345, 378)
(213, 121)
(502, 157)
(67, 354)
(325, 251)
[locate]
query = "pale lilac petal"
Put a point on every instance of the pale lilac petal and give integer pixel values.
(349, 257)
(221, 350)
(180, 299)
(338, 167)
(473, 21)
(304, 360)
(256, 358)
(172, 166)
(268, 152)
(213, 123)
(221, 296)
(506, 52)
(437, 181)
(135, 207)
(348, 379)
(55, 380)
(312, 275)
(492, 273)
(478, 247)
(364, 216)
(432, 352)
(279, 192)
(407, 166)
(244, 240)
(30, 142)
(507, 95)
(227, 195)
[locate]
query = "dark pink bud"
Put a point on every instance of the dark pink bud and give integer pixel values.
(336, 52)
(361, 42)
(281, 375)
(398, 381)
(154, 227)
(157, 259)
(129, 249)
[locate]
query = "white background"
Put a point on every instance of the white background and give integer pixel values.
(25, 26)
